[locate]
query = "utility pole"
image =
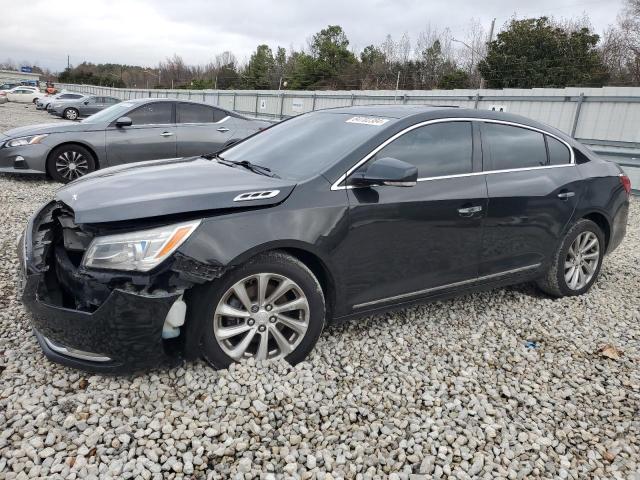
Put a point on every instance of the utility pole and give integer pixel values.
(397, 86)
(493, 24)
(68, 62)
(215, 83)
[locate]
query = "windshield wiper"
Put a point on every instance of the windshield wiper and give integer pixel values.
(259, 169)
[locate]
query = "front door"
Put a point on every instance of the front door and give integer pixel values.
(151, 136)
(533, 188)
(410, 242)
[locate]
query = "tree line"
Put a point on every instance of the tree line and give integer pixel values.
(525, 53)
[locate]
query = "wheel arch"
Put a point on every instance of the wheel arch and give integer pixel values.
(603, 222)
(92, 151)
(309, 256)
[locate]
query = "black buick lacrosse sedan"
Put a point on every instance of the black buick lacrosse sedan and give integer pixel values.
(338, 213)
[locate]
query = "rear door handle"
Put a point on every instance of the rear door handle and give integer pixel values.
(166, 134)
(223, 129)
(566, 195)
(468, 211)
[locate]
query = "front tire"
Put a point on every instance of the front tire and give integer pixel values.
(68, 162)
(71, 114)
(576, 265)
(270, 307)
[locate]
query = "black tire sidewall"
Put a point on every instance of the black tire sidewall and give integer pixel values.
(51, 168)
(64, 114)
(583, 226)
(206, 298)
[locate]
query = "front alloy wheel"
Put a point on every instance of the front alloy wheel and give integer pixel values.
(68, 162)
(71, 114)
(268, 308)
(263, 316)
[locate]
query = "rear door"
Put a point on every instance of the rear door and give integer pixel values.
(151, 136)
(201, 129)
(91, 105)
(409, 242)
(533, 187)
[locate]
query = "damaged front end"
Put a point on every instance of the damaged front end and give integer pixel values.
(102, 320)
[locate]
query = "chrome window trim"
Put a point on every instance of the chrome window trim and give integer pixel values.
(336, 185)
(449, 285)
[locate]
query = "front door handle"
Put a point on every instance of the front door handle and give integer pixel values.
(468, 211)
(166, 134)
(566, 195)
(223, 129)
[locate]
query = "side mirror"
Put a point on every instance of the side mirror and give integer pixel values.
(386, 171)
(87, 102)
(123, 122)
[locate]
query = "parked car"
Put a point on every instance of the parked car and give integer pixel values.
(8, 86)
(126, 132)
(44, 102)
(326, 216)
(24, 94)
(81, 107)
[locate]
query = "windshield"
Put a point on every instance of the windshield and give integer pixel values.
(111, 113)
(306, 145)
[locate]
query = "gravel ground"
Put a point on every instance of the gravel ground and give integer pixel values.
(449, 390)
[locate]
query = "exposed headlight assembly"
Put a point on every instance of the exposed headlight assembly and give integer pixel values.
(18, 142)
(139, 251)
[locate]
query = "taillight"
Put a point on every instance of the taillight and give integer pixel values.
(626, 183)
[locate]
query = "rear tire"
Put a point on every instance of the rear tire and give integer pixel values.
(68, 162)
(576, 264)
(71, 114)
(291, 336)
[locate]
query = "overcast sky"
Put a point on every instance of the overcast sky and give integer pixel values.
(144, 32)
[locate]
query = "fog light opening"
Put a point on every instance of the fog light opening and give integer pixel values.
(19, 163)
(175, 319)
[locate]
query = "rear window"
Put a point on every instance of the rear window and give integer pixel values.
(306, 145)
(513, 147)
(559, 154)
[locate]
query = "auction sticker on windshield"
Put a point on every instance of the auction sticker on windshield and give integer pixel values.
(376, 121)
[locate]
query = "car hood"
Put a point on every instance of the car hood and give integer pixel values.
(57, 127)
(166, 187)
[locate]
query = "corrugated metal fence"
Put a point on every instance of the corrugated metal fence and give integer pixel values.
(607, 119)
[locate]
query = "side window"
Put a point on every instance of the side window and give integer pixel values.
(438, 149)
(111, 100)
(513, 147)
(194, 113)
(558, 152)
(74, 96)
(158, 113)
(219, 114)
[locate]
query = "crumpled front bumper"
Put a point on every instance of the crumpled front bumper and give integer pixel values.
(126, 330)
(122, 335)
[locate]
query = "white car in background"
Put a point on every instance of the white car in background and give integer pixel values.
(24, 94)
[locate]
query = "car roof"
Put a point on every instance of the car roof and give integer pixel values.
(419, 113)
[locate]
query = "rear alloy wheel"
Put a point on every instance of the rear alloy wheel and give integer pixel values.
(71, 114)
(68, 162)
(576, 265)
(271, 307)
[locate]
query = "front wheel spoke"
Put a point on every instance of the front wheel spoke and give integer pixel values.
(263, 346)
(297, 304)
(297, 326)
(581, 277)
(591, 256)
(569, 274)
(237, 351)
(229, 311)
(567, 265)
(283, 288)
(590, 245)
(241, 292)
(283, 343)
(224, 333)
(589, 267)
(263, 283)
(574, 278)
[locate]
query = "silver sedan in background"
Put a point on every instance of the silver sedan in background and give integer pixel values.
(130, 131)
(44, 102)
(82, 107)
